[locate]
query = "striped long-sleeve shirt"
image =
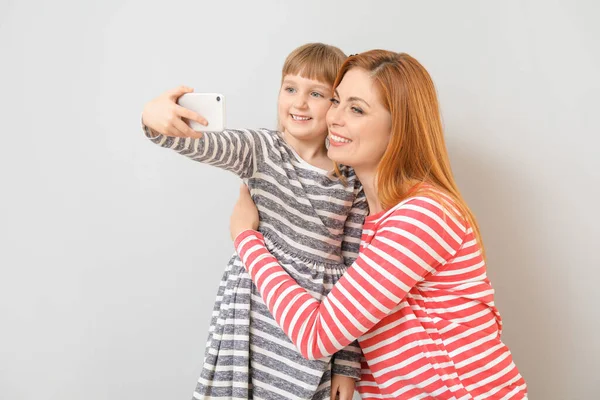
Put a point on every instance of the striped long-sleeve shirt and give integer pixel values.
(417, 299)
(304, 210)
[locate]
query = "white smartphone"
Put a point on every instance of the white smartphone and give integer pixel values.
(209, 105)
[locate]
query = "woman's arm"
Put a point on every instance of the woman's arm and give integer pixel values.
(414, 239)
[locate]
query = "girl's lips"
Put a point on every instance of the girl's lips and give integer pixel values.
(300, 118)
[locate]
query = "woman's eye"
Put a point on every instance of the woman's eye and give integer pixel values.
(334, 101)
(357, 110)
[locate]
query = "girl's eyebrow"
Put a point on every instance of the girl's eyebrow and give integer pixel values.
(316, 86)
(323, 88)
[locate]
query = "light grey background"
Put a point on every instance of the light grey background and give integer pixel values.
(112, 248)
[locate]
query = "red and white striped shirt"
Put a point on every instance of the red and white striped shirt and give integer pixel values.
(417, 299)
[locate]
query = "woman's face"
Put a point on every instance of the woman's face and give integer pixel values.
(359, 124)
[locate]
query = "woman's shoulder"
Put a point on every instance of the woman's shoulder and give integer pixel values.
(428, 202)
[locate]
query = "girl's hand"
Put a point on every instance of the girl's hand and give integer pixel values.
(164, 115)
(342, 387)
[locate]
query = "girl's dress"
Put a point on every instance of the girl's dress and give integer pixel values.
(312, 223)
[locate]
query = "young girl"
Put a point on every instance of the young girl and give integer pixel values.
(311, 218)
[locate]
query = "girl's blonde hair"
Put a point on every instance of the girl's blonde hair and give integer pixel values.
(316, 61)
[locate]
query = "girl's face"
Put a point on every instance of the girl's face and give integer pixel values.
(302, 107)
(359, 124)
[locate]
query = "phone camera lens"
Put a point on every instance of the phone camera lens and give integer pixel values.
(218, 98)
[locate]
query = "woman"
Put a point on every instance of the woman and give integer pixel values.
(417, 299)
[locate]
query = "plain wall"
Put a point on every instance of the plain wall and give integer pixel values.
(112, 248)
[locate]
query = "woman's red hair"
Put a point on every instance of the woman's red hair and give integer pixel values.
(416, 152)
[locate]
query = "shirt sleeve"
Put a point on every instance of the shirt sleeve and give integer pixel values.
(414, 239)
(347, 362)
(232, 150)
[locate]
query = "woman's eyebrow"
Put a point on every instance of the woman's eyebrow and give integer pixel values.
(353, 98)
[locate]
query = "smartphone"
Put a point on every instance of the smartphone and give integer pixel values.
(209, 105)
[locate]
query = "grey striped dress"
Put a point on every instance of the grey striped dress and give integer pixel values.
(312, 223)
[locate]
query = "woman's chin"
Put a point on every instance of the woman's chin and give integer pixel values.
(338, 155)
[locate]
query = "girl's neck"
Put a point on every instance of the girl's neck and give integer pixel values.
(313, 152)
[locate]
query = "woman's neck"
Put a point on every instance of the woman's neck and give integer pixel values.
(368, 179)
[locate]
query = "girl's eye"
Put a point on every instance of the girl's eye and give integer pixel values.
(316, 94)
(290, 89)
(357, 110)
